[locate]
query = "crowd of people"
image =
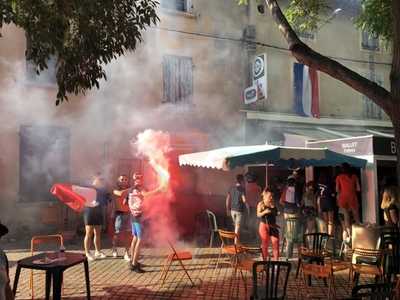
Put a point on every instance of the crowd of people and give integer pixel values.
(312, 206)
(127, 214)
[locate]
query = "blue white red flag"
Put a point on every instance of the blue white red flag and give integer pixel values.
(306, 91)
(74, 196)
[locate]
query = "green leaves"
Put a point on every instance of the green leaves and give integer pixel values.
(307, 15)
(376, 18)
(84, 35)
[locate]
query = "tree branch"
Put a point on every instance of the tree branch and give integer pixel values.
(313, 59)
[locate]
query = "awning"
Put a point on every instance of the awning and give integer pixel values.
(231, 157)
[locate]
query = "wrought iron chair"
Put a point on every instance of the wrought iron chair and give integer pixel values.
(54, 239)
(274, 276)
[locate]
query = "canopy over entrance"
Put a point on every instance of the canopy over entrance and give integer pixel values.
(231, 157)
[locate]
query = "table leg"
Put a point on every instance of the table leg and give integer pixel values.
(86, 265)
(16, 278)
(48, 284)
(57, 284)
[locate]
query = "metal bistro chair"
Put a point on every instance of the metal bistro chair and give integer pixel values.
(55, 239)
(212, 222)
(325, 272)
(239, 255)
(274, 276)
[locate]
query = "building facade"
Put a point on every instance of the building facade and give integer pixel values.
(187, 78)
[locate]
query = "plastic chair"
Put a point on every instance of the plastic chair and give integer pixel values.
(212, 222)
(43, 239)
(272, 273)
(313, 249)
(179, 257)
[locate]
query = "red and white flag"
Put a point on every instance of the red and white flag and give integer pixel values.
(75, 196)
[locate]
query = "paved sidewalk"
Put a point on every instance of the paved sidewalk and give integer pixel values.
(111, 279)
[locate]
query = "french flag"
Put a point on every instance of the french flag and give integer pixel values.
(74, 196)
(306, 91)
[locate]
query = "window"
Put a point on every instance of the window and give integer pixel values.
(306, 35)
(44, 160)
(370, 109)
(177, 79)
(369, 42)
(178, 5)
(46, 77)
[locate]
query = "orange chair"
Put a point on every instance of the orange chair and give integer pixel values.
(179, 257)
(239, 255)
(56, 239)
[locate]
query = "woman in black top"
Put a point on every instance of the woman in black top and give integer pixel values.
(268, 229)
(390, 206)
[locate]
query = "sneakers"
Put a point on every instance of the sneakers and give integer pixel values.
(99, 255)
(136, 268)
(89, 257)
(114, 254)
(126, 256)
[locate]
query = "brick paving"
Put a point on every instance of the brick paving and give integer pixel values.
(111, 279)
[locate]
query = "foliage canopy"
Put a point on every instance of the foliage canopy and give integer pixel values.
(83, 35)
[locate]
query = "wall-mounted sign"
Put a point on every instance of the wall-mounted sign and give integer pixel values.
(260, 75)
(250, 95)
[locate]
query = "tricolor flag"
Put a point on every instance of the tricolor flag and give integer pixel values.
(76, 197)
(306, 91)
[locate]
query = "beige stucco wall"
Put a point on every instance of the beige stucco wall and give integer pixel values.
(102, 122)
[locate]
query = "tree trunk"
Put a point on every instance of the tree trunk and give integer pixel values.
(395, 80)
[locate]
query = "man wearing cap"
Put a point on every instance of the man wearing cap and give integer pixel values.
(5, 288)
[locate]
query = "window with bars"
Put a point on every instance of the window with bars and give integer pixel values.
(46, 77)
(44, 159)
(178, 5)
(177, 79)
(369, 42)
(370, 109)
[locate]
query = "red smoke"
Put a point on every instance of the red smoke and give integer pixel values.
(160, 225)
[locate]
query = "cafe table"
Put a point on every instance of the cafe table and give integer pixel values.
(54, 264)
